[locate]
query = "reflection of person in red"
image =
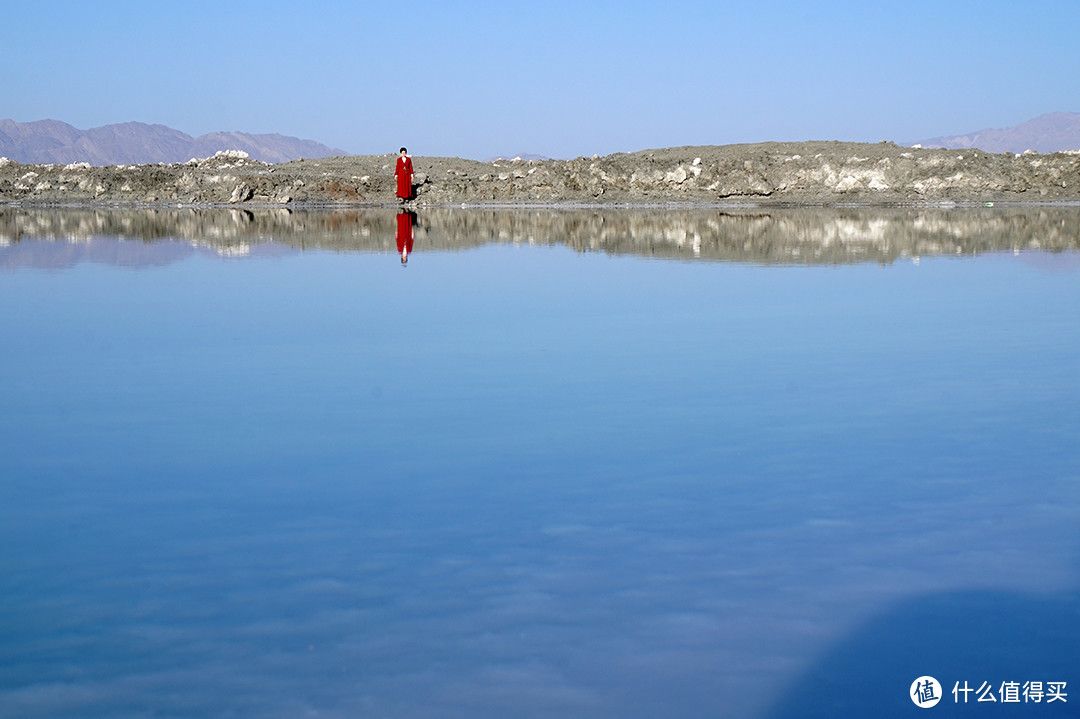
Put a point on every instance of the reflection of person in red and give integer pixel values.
(403, 172)
(405, 221)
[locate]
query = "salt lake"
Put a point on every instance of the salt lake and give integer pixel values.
(663, 462)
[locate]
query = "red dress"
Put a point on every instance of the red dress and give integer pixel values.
(403, 171)
(405, 222)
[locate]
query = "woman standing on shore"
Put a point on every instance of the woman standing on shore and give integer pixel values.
(403, 172)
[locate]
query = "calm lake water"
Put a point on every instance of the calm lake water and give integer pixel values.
(560, 464)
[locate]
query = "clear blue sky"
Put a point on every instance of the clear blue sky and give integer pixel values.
(479, 78)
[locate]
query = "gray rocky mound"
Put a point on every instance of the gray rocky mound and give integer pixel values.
(814, 173)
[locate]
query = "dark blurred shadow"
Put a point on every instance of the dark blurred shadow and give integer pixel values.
(975, 636)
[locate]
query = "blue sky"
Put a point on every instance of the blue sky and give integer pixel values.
(480, 78)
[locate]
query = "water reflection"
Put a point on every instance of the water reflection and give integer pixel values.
(528, 483)
(796, 236)
(406, 221)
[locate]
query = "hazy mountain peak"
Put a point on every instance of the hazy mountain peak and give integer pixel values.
(53, 141)
(1052, 132)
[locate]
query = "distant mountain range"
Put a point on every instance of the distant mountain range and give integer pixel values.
(524, 156)
(129, 143)
(1054, 132)
(52, 141)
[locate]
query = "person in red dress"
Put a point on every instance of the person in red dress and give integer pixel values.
(403, 172)
(405, 222)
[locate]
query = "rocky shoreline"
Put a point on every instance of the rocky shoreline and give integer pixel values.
(806, 173)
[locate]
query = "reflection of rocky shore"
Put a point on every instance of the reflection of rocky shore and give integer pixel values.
(795, 236)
